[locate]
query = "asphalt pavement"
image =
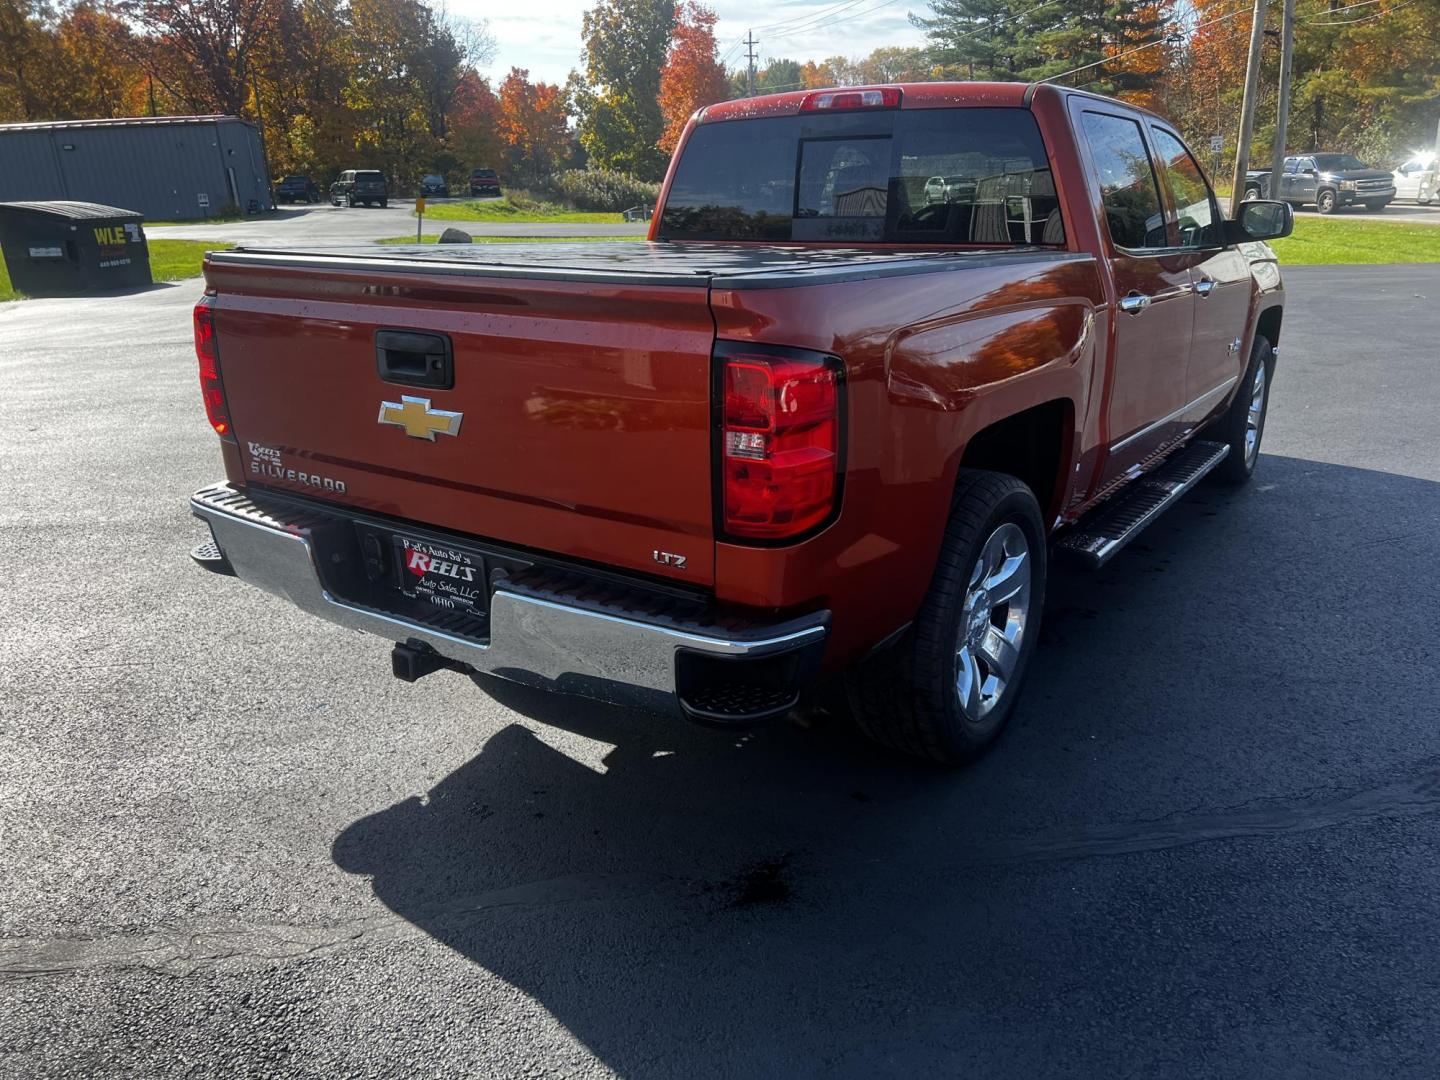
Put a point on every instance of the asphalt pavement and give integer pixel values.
(1206, 846)
(323, 223)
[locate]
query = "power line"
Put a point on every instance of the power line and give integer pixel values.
(809, 16)
(1357, 22)
(814, 21)
(1141, 48)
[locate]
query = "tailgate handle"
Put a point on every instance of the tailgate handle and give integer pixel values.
(414, 359)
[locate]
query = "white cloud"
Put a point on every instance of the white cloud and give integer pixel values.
(544, 35)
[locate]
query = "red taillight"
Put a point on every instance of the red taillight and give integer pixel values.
(212, 390)
(887, 97)
(779, 443)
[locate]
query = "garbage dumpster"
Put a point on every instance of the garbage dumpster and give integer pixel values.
(65, 248)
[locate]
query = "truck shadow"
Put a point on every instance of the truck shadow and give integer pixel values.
(793, 902)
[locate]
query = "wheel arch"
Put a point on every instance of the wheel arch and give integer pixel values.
(1033, 445)
(1267, 325)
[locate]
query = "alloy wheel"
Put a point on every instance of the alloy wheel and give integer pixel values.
(1255, 415)
(992, 622)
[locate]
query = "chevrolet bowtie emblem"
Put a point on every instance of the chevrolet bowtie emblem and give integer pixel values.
(419, 420)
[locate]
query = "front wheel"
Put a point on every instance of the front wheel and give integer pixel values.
(1243, 425)
(946, 688)
(1325, 202)
(384, 204)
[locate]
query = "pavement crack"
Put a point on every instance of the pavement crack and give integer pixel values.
(1413, 797)
(186, 949)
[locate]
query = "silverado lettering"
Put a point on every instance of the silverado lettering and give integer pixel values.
(886, 352)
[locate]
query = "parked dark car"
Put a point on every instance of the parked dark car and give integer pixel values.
(484, 182)
(1328, 181)
(363, 186)
(295, 189)
(434, 185)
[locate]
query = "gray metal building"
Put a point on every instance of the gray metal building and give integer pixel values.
(170, 168)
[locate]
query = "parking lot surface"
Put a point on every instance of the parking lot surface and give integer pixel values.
(326, 224)
(1207, 845)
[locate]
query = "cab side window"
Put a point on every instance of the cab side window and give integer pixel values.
(1195, 207)
(1127, 182)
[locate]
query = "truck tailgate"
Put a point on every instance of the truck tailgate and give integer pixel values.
(584, 408)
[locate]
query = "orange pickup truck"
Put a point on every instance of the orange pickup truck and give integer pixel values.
(829, 417)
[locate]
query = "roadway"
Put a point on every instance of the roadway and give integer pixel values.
(1206, 846)
(323, 223)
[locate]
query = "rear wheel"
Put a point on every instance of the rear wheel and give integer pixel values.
(1243, 425)
(1252, 192)
(1326, 202)
(946, 689)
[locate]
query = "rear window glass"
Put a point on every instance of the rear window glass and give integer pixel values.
(923, 176)
(484, 174)
(369, 176)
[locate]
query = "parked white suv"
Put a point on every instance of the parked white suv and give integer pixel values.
(1416, 179)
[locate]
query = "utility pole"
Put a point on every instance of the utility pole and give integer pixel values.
(750, 63)
(1282, 113)
(1247, 108)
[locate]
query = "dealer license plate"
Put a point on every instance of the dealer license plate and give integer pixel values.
(448, 577)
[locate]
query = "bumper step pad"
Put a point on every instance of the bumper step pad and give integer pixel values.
(209, 556)
(1096, 538)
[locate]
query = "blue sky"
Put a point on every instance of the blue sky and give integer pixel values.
(544, 35)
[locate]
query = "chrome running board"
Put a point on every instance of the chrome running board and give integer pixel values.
(1096, 538)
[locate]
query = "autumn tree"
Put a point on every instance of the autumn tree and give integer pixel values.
(692, 77)
(28, 59)
(625, 44)
(817, 76)
(201, 51)
(532, 125)
(475, 124)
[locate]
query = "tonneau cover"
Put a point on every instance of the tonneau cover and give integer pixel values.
(655, 263)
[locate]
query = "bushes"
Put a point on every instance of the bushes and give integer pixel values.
(601, 190)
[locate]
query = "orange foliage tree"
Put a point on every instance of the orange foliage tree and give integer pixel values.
(532, 125)
(692, 76)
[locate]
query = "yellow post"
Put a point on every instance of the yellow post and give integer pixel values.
(419, 215)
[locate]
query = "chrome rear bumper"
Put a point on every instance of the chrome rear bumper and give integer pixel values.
(546, 642)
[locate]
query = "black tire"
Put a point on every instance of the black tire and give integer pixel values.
(907, 696)
(1233, 427)
(384, 203)
(1326, 201)
(1251, 192)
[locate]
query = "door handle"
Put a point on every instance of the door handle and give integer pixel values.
(1134, 303)
(1204, 285)
(415, 359)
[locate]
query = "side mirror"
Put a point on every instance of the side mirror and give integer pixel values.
(1261, 219)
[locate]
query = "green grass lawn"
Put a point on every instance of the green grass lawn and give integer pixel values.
(1322, 241)
(517, 209)
(215, 219)
(515, 239)
(170, 260)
